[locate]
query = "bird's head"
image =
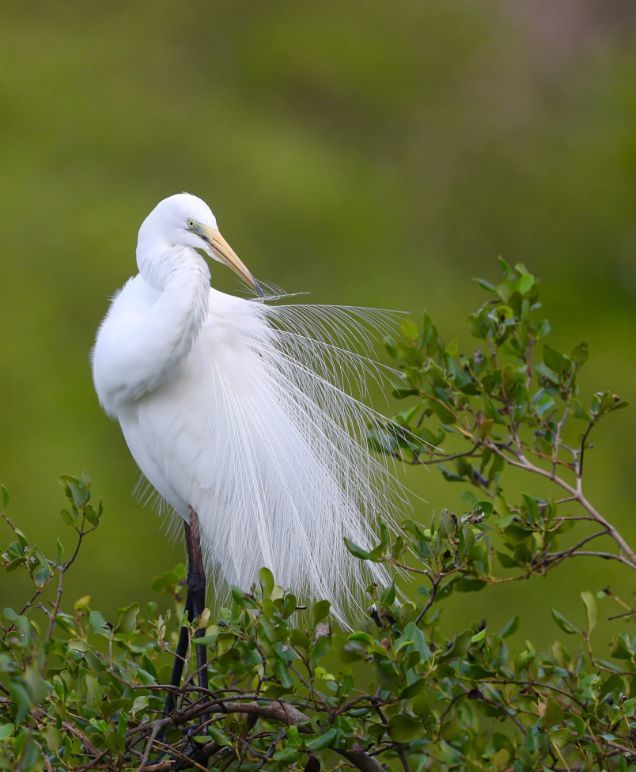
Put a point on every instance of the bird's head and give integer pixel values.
(184, 220)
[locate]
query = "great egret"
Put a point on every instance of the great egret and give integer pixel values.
(239, 413)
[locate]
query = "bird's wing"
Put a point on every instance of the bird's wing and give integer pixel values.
(122, 356)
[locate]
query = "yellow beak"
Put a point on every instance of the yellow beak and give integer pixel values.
(225, 254)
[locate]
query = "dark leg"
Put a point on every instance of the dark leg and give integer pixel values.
(195, 603)
(177, 667)
(196, 587)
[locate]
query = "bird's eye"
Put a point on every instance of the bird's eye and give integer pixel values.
(190, 224)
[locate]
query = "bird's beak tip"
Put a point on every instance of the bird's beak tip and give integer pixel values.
(224, 252)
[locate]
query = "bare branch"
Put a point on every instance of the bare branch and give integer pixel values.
(520, 461)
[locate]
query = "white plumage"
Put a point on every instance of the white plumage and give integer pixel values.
(242, 410)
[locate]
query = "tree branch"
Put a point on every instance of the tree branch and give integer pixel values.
(275, 711)
(521, 462)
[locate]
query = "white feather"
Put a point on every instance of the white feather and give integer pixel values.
(250, 416)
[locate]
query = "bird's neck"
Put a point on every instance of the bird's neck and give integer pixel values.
(181, 308)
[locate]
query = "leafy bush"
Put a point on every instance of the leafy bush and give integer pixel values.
(289, 691)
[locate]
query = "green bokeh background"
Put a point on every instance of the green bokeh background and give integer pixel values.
(370, 153)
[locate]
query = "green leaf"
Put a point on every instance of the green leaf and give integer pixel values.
(525, 283)
(467, 540)
(206, 640)
(127, 618)
(469, 584)
(266, 579)
(388, 595)
(361, 637)
(554, 360)
(545, 374)
(76, 491)
(139, 704)
(377, 553)
(532, 507)
(219, 737)
(286, 755)
(82, 603)
(409, 329)
(506, 268)
(319, 611)
(506, 560)
(487, 285)
(98, 625)
(293, 736)
(511, 626)
(41, 575)
(543, 329)
(170, 580)
(290, 604)
(91, 515)
(403, 729)
(381, 441)
(356, 551)
(591, 608)
(282, 673)
(224, 643)
(564, 623)
(542, 403)
(442, 412)
(621, 647)
(53, 737)
(94, 690)
(479, 636)
(21, 700)
(322, 741)
(553, 713)
(579, 354)
(391, 346)
(412, 689)
(36, 685)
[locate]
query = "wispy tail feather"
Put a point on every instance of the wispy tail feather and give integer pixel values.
(287, 472)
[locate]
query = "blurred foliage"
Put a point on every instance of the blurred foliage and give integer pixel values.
(370, 153)
(289, 689)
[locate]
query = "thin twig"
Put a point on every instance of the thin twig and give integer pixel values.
(521, 462)
(148, 748)
(533, 684)
(557, 439)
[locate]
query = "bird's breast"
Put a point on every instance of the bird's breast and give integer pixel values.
(179, 432)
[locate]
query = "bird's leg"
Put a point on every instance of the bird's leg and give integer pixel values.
(195, 603)
(196, 590)
(177, 666)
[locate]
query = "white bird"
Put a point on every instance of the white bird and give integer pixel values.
(240, 414)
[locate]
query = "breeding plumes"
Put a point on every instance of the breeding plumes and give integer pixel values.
(244, 414)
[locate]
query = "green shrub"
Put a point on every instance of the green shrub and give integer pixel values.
(290, 691)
